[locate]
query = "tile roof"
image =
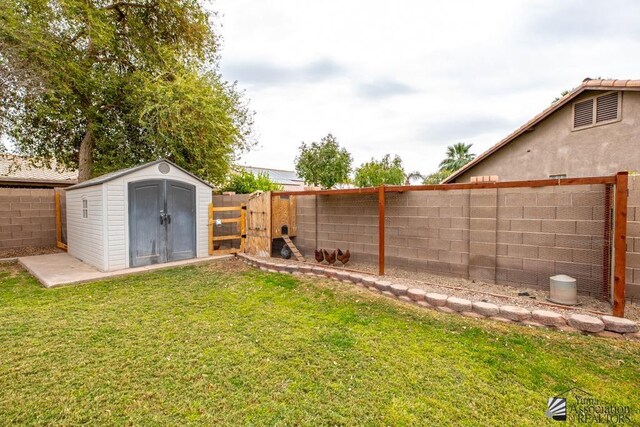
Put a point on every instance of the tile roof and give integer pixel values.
(587, 84)
(17, 168)
(282, 177)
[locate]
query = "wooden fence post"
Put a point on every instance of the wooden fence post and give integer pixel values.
(210, 228)
(620, 242)
(381, 230)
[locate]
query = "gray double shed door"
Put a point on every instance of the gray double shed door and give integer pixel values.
(162, 221)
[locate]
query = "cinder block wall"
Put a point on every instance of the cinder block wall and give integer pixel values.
(633, 239)
(27, 217)
(519, 236)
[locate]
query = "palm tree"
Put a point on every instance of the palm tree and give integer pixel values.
(412, 176)
(458, 155)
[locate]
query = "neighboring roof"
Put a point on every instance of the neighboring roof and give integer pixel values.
(122, 172)
(279, 176)
(22, 169)
(587, 84)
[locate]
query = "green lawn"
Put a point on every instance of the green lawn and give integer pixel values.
(224, 344)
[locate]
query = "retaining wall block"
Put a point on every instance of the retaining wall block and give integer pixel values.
(586, 323)
(459, 304)
(514, 313)
(382, 285)
(416, 294)
(619, 324)
(485, 308)
(437, 300)
(548, 318)
(398, 290)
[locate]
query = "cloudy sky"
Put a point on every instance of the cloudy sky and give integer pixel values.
(411, 77)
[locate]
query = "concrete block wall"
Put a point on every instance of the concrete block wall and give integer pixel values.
(345, 222)
(27, 217)
(428, 231)
(518, 236)
(633, 239)
(553, 230)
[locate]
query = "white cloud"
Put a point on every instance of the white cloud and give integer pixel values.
(409, 78)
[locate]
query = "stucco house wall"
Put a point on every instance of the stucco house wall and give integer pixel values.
(553, 148)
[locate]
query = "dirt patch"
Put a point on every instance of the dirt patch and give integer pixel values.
(475, 290)
(28, 251)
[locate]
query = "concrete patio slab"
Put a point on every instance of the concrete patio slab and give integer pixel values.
(62, 269)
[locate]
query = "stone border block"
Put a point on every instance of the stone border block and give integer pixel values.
(548, 318)
(485, 308)
(416, 294)
(398, 290)
(619, 324)
(515, 313)
(586, 323)
(459, 304)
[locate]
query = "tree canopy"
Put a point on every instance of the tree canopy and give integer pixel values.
(105, 84)
(436, 177)
(384, 171)
(323, 163)
(245, 182)
(458, 155)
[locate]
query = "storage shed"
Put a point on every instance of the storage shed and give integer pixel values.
(148, 214)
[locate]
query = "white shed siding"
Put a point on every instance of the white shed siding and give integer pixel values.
(116, 224)
(203, 199)
(85, 236)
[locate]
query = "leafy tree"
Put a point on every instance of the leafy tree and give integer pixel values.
(245, 182)
(104, 84)
(436, 177)
(385, 171)
(458, 155)
(323, 163)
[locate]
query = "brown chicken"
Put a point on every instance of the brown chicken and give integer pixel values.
(329, 257)
(343, 257)
(319, 256)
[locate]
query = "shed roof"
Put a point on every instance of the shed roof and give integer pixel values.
(587, 84)
(122, 172)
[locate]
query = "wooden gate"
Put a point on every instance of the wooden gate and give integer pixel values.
(259, 224)
(238, 234)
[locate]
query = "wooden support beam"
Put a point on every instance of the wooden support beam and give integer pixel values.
(59, 242)
(462, 186)
(227, 208)
(243, 227)
(210, 228)
(381, 230)
(620, 243)
(234, 237)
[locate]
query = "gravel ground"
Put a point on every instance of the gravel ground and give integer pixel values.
(28, 251)
(480, 291)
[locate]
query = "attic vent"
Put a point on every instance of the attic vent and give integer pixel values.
(583, 113)
(164, 168)
(597, 110)
(607, 107)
